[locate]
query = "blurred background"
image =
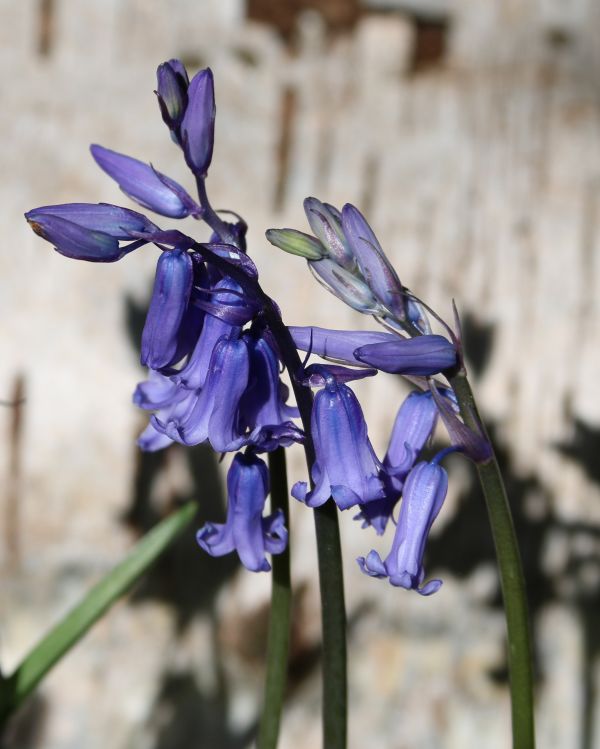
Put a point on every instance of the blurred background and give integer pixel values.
(469, 134)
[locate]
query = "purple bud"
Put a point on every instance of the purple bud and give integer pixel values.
(377, 271)
(144, 184)
(336, 344)
(423, 355)
(171, 90)
(117, 222)
(198, 124)
(75, 241)
(170, 297)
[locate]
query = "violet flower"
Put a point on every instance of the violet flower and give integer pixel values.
(170, 299)
(245, 529)
(413, 427)
(346, 467)
(422, 498)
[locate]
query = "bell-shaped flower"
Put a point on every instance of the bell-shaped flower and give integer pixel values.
(198, 124)
(263, 403)
(142, 183)
(193, 374)
(245, 529)
(89, 231)
(214, 414)
(346, 467)
(424, 355)
(170, 299)
(422, 498)
(375, 268)
(339, 345)
(171, 90)
(413, 426)
(168, 399)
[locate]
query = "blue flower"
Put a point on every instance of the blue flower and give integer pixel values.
(245, 529)
(169, 303)
(346, 467)
(422, 498)
(413, 426)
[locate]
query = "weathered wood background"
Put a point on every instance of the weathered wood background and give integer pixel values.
(469, 133)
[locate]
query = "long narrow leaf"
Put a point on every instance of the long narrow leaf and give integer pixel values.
(63, 636)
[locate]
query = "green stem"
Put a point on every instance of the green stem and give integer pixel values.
(62, 637)
(279, 624)
(520, 661)
(331, 579)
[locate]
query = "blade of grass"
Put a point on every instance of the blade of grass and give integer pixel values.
(64, 635)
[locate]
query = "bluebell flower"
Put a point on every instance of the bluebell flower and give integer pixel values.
(89, 231)
(245, 529)
(422, 498)
(169, 400)
(213, 413)
(346, 467)
(145, 185)
(264, 401)
(413, 427)
(170, 300)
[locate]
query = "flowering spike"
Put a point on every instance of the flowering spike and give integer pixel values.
(170, 297)
(374, 266)
(245, 530)
(296, 243)
(145, 185)
(423, 355)
(198, 124)
(346, 467)
(422, 499)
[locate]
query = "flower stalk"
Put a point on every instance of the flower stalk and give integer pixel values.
(512, 581)
(280, 615)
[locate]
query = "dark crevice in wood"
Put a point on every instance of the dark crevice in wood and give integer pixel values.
(45, 27)
(286, 118)
(15, 470)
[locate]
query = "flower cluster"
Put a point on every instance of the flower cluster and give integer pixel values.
(214, 354)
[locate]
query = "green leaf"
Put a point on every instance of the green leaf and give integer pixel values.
(62, 637)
